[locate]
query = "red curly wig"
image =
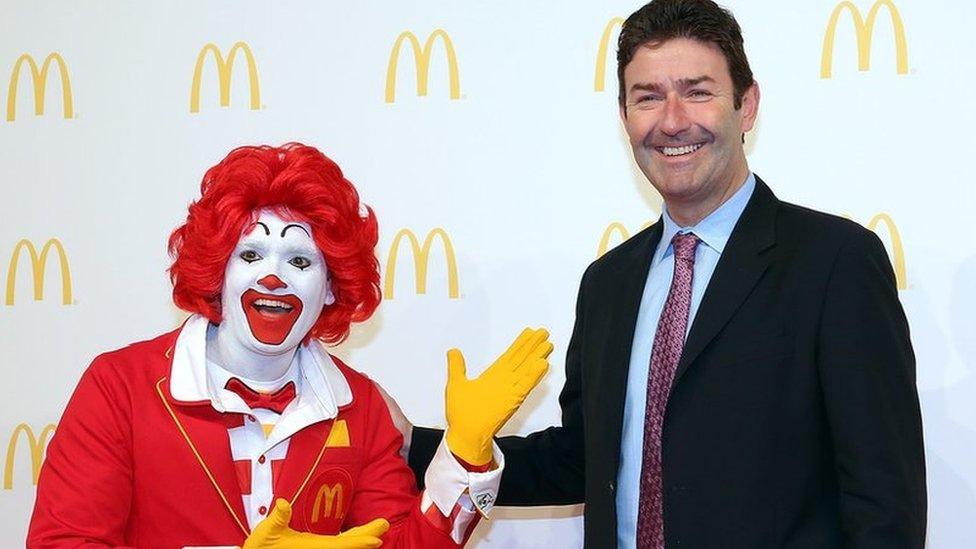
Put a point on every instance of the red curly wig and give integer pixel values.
(301, 184)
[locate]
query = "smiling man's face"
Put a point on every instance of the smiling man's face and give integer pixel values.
(681, 119)
(275, 285)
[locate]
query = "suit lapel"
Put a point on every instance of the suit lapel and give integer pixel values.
(628, 290)
(739, 269)
(205, 432)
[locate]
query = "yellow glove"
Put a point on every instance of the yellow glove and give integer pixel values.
(477, 408)
(274, 533)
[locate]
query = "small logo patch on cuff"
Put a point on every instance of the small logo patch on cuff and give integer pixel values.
(484, 501)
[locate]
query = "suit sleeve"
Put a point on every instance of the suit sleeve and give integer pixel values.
(85, 487)
(867, 371)
(546, 467)
(386, 489)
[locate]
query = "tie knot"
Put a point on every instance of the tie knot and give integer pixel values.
(684, 246)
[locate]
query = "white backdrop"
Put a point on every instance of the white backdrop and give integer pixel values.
(524, 167)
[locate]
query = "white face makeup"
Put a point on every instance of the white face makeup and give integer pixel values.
(275, 285)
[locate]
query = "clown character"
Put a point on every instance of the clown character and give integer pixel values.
(239, 428)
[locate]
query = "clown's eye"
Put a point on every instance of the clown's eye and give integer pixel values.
(250, 256)
(300, 262)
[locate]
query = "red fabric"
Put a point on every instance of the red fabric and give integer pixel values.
(119, 472)
(243, 468)
(276, 401)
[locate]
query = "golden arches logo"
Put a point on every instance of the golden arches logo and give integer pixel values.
(421, 259)
(600, 76)
(332, 497)
(37, 446)
(618, 228)
(897, 248)
(39, 80)
(421, 57)
(864, 29)
(225, 69)
(38, 264)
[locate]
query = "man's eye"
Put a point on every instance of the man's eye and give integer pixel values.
(250, 256)
(300, 262)
(700, 94)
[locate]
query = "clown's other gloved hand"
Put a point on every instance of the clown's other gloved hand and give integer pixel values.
(274, 533)
(477, 408)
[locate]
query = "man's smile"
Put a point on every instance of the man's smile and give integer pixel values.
(679, 151)
(270, 317)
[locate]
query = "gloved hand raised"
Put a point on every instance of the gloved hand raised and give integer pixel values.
(275, 533)
(477, 408)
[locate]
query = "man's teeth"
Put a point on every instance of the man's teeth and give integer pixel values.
(272, 303)
(678, 151)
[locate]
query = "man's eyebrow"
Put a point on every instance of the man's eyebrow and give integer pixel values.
(290, 225)
(689, 82)
(646, 86)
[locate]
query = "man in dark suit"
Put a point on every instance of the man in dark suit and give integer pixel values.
(740, 374)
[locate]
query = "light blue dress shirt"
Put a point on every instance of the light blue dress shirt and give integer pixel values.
(714, 232)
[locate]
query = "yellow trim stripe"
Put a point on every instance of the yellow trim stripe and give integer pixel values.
(200, 459)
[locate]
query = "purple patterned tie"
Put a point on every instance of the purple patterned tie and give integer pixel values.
(668, 343)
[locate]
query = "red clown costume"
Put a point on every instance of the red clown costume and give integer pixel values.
(190, 439)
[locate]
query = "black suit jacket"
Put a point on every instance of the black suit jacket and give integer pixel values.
(793, 421)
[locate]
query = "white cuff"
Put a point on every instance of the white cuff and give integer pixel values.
(447, 480)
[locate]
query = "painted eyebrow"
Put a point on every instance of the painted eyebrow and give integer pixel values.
(290, 225)
(267, 231)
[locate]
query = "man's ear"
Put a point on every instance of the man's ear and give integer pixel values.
(750, 107)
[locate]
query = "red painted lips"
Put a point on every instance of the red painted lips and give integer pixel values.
(270, 317)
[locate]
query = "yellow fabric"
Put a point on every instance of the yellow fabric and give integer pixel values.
(339, 435)
(477, 408)
(274, 533)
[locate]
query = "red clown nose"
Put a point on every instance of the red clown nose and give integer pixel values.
(272, 282)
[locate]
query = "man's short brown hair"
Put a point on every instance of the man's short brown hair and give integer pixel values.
(702, 20)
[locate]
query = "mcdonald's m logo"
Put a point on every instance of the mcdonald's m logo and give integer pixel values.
(864, 29)
(38, 265)
(331, 496)
(37, 446)
(39, 81)
(600, 76)
(225, 69)
(615, 228)
(897, 248)
(421, 259)
(421, 58)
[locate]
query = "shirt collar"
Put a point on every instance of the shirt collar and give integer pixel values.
(715, 229)
(320, 383)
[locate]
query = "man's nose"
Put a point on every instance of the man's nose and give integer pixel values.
(272, 282)
(675, 118)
